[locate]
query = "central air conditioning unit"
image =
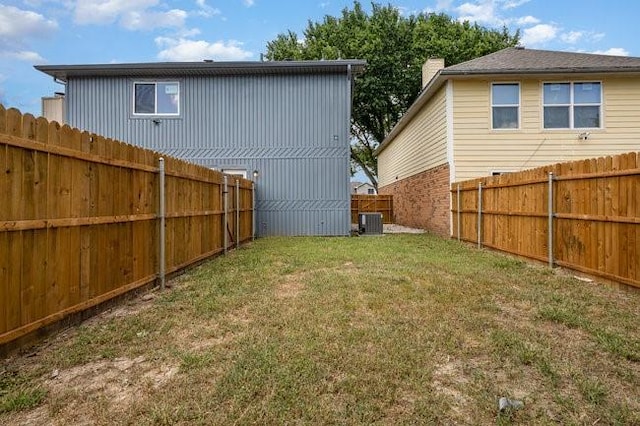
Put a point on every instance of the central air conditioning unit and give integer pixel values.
(370, 223)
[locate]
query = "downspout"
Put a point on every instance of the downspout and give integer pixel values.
(348, 139)
(65, 102)
(349, 97)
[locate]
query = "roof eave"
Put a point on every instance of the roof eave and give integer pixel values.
(425, 94)
(63, 72)
(444, 75)
(538, 71)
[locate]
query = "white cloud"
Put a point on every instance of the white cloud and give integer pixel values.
(615, 51)
(490, 12)
(185, 50)
(527, 20)
(443, 4)
(17, 26)
(17, 23)
(248, 3)
(188, 32)
(572, 37)
(130, 14)
(512, 4)
(146, 20)
(539, 34)
(22, 55)
(108, 11)
(207, 10)
(483, 12)
(323, 4)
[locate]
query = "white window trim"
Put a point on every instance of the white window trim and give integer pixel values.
(154, 114)
(235, 172)
(571, 105)
(518, 105)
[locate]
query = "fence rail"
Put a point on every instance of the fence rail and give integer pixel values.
(583, 215)
(80, 219)
(361, 203)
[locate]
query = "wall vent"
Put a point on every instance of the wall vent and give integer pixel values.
(370, 223)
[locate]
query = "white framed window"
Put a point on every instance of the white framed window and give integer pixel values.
(236, 172)
(156, 98)
(505, 105)
(572, 105)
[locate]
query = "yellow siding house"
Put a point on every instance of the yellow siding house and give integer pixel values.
(511, 110)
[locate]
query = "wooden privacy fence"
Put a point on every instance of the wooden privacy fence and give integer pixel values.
(372, 204)
(81, 219)
(583, 215)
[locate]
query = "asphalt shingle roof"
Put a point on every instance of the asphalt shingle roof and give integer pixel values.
(523, 61)
(518, 61)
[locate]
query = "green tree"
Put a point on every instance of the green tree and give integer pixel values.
(395, 47)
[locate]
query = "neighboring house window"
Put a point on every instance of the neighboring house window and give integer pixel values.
(236, 172)
(572, 105)
(156, 98)
(505, 103)
(370, 191)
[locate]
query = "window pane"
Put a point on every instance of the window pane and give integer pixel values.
(586, 93)
(505, 117)
(168, 97)
(556, 117)
(145, 99)
(556, 93)
(505, 94)
(586, 116)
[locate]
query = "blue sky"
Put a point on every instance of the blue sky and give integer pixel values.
(108, 31)
(111, 31)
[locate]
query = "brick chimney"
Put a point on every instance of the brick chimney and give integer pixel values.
(430, 69)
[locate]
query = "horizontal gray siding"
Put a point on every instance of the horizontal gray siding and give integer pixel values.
(292, 129)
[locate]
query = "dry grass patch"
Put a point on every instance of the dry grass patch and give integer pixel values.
(403, 329)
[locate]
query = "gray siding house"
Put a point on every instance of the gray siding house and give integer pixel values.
(287, 121)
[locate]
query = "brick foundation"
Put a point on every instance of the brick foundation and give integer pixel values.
(422, 200)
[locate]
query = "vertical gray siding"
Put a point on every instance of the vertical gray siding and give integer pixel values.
(292, 129)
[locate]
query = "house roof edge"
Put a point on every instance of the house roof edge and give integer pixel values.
(63, 72)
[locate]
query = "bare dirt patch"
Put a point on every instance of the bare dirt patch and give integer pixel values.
(448, 380)
(118, 380)
(290, 286)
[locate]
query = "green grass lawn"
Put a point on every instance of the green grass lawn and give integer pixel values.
(400, 329)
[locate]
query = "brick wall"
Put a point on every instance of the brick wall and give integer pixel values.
(422, 200)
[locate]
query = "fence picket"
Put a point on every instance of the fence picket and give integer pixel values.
(597, 226)
(86, 229)
(362, 203)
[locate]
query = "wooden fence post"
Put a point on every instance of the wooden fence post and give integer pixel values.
(161, 215)
(458, 211)
(225, 231)
(480, 215)
(238, 235)
(550, 208)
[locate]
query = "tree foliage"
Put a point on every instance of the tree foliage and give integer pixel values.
(395, 47)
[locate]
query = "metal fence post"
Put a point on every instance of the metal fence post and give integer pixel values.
(225, 193)
(550, 208)
(238, 213)
(480, 215)
(253, 211)
(161, 215)
(458, 210)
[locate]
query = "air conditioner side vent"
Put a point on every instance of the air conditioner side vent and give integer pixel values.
(370, 223)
